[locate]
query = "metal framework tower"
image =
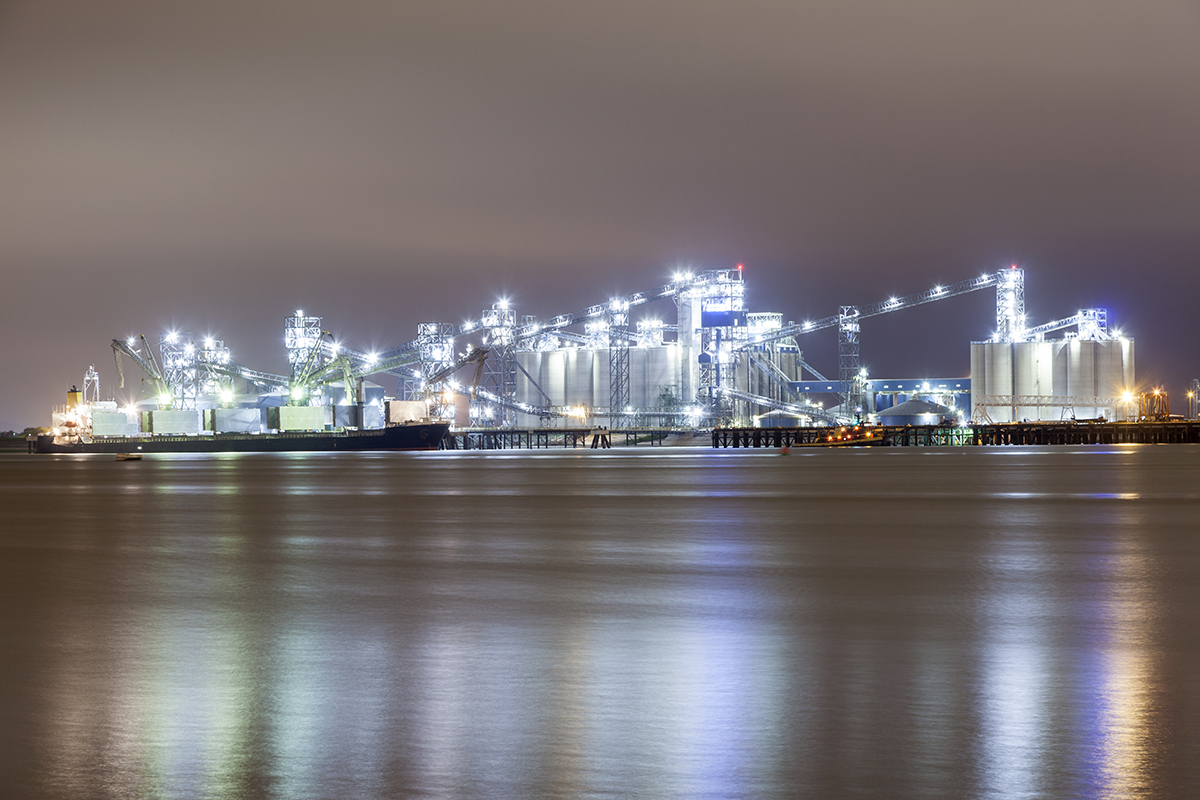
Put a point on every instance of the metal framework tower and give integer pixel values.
(300, 335)
(849, 359)
(177, 354)
(722, 326)
(650, 333)
(618, 363)
(213, 355)
(91, 385)
(500, 370)
(435, 344)
(710, 366)
(1010, 305)
(1194, 399)
(1093, 324)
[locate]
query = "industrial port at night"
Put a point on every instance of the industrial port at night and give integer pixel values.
(695, 358)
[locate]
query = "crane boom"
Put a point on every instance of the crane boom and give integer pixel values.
(147, 364)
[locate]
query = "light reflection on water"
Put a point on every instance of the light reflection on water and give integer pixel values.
(1013, 622)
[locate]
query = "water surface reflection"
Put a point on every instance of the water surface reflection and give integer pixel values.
(938, 623)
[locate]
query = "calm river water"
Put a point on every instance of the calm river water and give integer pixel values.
(667, 623)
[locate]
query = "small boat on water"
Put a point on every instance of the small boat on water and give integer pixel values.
(129, 456)
(847, 436)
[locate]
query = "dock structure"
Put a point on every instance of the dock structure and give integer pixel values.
(765, 437)
(546, 438)
(1182, 432)
(1017, 433)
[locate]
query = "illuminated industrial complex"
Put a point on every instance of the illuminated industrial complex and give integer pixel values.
(715, 364)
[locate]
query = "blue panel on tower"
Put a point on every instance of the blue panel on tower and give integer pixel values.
(722, 319)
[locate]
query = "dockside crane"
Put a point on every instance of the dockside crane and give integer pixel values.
(149, 366)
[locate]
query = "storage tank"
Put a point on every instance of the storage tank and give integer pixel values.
(996, 358)
(1081, 368)
(600, 389)
(1114, 368)
(979, 371)
(552, 376)
(650, 369)
(535, 364)
(916, 412)
(1061, 368)
(1033, 374)
(579, 381)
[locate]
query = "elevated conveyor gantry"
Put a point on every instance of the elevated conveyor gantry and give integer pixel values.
(1010, 323)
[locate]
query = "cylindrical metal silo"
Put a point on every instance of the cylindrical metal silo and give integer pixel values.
(979, 375)
(1130, 380)
(578, 372)
(1081, 368)
(601, 390)
(1025, 376)
(553, 376)
(1114, 371)
(1000, 378)
(1060, 359)
(532, 362)
(650, 370)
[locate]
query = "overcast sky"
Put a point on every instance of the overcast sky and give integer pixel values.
(213, 166)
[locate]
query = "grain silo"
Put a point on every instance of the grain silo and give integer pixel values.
(1081, 375)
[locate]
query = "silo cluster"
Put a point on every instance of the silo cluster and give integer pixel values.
(1047, 380)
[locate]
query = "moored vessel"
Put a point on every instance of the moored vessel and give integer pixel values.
(413, 436)
(847, 436)
(99, 427)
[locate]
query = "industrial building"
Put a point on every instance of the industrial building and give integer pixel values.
(695, 357)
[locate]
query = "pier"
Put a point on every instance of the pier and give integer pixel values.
(547, 438)
(1017, 433)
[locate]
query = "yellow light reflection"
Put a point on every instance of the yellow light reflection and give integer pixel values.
(1128, 693)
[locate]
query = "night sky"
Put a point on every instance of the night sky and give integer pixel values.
(213, 166)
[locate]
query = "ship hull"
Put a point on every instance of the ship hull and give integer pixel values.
(393, 437)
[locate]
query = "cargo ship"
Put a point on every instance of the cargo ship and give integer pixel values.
(410, 436)
(98, 427)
